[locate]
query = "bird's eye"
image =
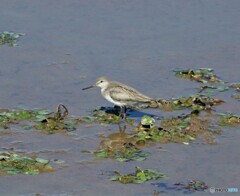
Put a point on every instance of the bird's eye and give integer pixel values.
(101, 81)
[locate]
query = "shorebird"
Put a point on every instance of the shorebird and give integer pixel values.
(121, 95)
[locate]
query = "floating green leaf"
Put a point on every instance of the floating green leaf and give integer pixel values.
(43, 161)
(147, 121)
(140, 176)
(11, 163)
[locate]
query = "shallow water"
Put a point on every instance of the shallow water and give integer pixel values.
(71, 43)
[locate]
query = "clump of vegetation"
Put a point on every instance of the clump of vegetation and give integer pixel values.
(182, 129)
(236, 96)
(191, 186)
(56, 123)
(229, 119)
(44, 120)
(236, 86)
(203, 75)
(12, 163)
(219, 88)
(123, 153)
(10, 38)
(140, 176)
(187, 187)
(121, 147)
(103, 116)
(8, 117)
(194, 102)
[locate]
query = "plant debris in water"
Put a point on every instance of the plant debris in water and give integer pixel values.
(11, 163)
(194, 102)
(123, 153)
(182, 129)
(191, 186)
(56, 123)
(10, 38)
(187, 188)
(236, 96)
(236, 86)
(121, 147)
(44, 120)
(229, 119)
(203, 75)
(140, 176)
(103, 116)
(8, 117)
(219, 88)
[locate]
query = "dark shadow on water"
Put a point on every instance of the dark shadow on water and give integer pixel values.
(132, 113)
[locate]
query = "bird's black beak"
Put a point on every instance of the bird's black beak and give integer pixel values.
(88, 87)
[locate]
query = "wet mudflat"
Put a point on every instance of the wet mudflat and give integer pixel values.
(68, 44)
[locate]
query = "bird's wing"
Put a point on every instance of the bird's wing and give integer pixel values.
(119, 93)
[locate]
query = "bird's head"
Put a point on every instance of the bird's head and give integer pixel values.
(101, 82)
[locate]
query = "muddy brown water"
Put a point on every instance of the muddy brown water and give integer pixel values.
(71, 43)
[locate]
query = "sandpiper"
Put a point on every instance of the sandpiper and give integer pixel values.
(121, 95)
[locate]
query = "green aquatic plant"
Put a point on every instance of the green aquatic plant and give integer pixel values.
(104, 117)
(57, 123)
(140, 176)
(8, 117)
(12, 163)
(191, 186)
(101, 115)
(229, 119)
(195, 102)
(44, 120)
(182, 129)
(221, 88)
(123, 153)
(235, 86)
(147, 121)
(10, 38)
(204, 75)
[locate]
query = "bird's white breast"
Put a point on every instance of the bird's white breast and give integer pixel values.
(107, 96)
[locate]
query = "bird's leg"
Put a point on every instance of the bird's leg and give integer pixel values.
(125, 112)
(120, 112)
